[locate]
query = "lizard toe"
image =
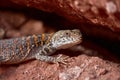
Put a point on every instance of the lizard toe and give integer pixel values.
(62, 59)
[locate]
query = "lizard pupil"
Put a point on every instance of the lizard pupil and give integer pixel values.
(66, 33)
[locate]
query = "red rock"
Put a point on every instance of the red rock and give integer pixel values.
(103, 15)
(37, 70)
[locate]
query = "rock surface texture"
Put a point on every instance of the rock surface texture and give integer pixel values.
(103, 14)
(79, 68)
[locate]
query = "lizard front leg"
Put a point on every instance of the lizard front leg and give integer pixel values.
(44, 53)
(51, 59)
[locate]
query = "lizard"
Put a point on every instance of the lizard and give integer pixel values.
(40, 47)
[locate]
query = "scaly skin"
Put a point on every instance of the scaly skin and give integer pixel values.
(40, 47)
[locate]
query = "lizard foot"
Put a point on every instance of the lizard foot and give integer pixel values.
(61, 59)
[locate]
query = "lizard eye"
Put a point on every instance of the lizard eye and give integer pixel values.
(66, 33)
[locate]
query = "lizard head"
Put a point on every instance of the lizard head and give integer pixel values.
(66, 38)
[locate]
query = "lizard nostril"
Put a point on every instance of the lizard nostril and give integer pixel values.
(76, 31)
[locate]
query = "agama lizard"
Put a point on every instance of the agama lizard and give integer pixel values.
(40, 47)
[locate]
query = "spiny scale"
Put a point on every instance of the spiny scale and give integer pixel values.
(40, 47)
(13, 50)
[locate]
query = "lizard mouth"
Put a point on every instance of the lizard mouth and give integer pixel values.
(65, 46)
(70, 44)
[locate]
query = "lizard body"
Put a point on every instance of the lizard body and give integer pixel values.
(16, 50)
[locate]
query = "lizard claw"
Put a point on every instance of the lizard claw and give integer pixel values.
(62, 59)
